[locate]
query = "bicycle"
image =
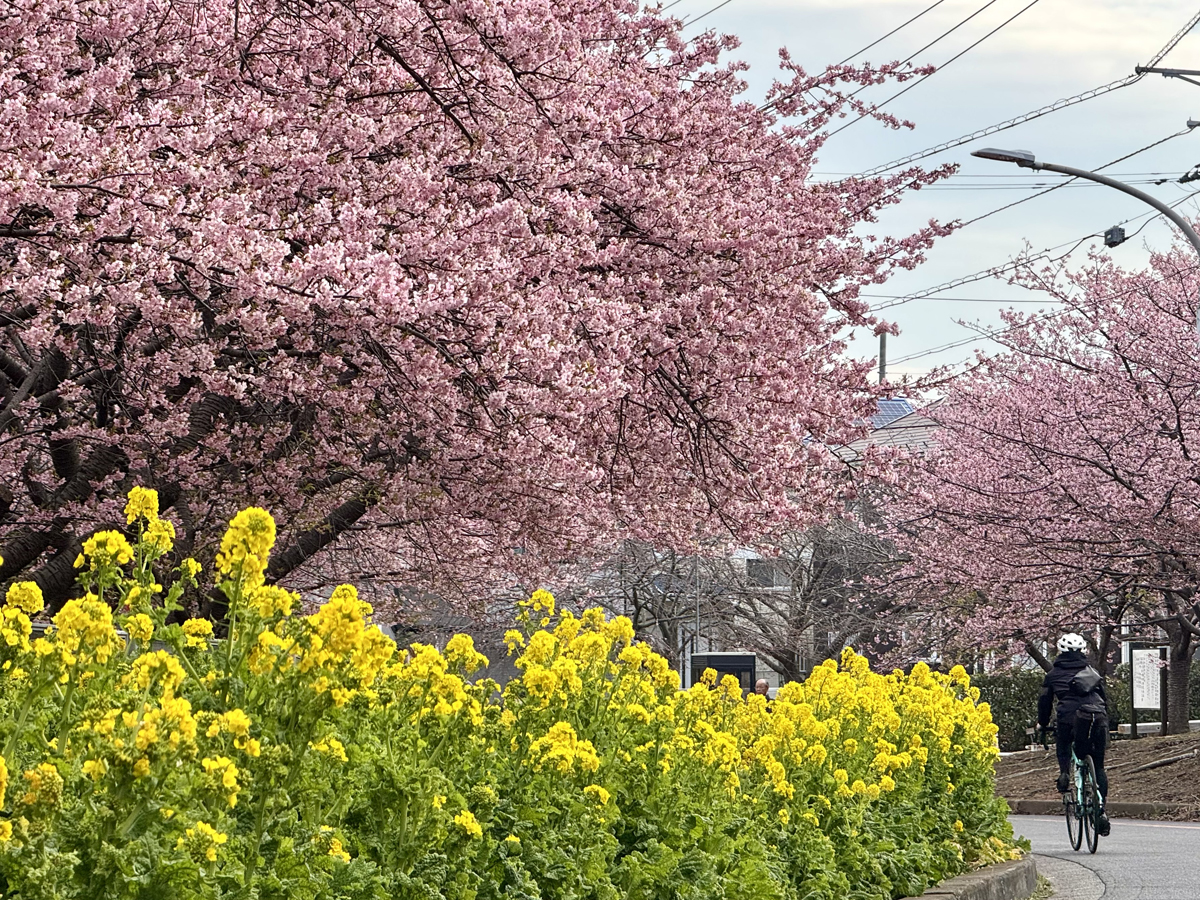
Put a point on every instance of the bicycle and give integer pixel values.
(1082, 806)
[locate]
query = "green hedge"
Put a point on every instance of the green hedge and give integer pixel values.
(1013, 698)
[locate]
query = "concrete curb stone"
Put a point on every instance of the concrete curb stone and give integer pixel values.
(1014, 880)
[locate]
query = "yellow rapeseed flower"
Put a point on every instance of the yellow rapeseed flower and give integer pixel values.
(224, 773)
(43, 787)
(83, 632)
(157, 668)
(461, 653)
(105, 548)
(25, 596)
(15, 628)
(142, 504)
(597, 793)
(270, 600)
(160, 534)
(331, 747)
(562, 749)
(467, 822)
(197, 633)
(140, 628)
(247, 545)
(201, 842)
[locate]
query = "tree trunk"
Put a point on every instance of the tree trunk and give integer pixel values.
(1038, 656)
(1104, 649)
(1177, 684)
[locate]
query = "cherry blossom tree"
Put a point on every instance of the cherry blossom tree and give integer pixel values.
(467, 285)
(1067, 490)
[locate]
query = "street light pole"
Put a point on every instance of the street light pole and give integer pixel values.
(1026, 160)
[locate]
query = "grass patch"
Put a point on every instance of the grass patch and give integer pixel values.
(1044, 889)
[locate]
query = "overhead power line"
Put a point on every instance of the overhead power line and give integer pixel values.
(1006, 267)
(692, 21)
(907, 59)
(1070, 181)
(877, 41)
(959, 55)
(1036, 186)
(1037, 113)
(1044, 317)
(991, 300)
(949, 31)
(1150, 217)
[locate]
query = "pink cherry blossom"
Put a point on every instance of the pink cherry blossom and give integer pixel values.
(438, 280)
(1066, 495)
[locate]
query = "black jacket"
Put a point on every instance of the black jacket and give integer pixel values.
(1057, 685)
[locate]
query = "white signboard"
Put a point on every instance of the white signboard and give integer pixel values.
(1146, 679)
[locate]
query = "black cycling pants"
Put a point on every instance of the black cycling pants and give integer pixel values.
(1089, 731)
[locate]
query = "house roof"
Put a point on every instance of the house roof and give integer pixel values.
(914, 432)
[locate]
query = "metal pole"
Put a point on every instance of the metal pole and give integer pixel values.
(1162, 690)
(1132, 698)
(882, 356)
(1179, 221)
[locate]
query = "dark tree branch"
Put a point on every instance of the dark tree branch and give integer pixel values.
(307, 544)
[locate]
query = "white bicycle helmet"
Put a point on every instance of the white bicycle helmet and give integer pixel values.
(1071, 641)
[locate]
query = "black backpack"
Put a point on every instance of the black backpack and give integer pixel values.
(1086, 685)
(1085, 681)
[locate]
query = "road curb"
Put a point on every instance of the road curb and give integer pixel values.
(1070, 880)
(1004, 881)
(1117, 808)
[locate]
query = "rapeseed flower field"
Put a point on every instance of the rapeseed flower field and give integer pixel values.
(307, 756)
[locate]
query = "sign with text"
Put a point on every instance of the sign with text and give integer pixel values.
(1146, 679)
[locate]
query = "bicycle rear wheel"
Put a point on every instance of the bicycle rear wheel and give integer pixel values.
(1091, 805)
(1072, 811)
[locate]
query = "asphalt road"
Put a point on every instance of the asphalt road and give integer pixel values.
(1138, 861)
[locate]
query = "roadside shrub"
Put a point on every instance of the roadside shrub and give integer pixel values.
(1012, 696)
(307, 757)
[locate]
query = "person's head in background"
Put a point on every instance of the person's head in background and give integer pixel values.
(762, 687)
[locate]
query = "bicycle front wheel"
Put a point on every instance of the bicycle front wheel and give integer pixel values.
(1091, 805)
(1073, 813)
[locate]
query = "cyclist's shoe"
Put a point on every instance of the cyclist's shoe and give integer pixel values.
(1062, 783)
(1102, 826)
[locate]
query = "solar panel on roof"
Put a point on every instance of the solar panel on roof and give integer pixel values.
(889, 411)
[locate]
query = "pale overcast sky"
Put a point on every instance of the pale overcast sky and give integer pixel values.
(1056, 49)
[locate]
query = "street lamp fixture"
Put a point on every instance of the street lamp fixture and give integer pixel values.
(1027, 160)
(1022, 158)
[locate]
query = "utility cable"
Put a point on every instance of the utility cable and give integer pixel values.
(1000, 270)
(1040, 186)
(952, 299)
(1053, 314)
(1037, 113)
(709, 13)
(945, 34)
(877, 41)
(949, 31)
(924, 78)
(907, 59)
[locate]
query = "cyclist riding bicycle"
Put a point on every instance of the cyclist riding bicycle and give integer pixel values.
(1082, 714)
